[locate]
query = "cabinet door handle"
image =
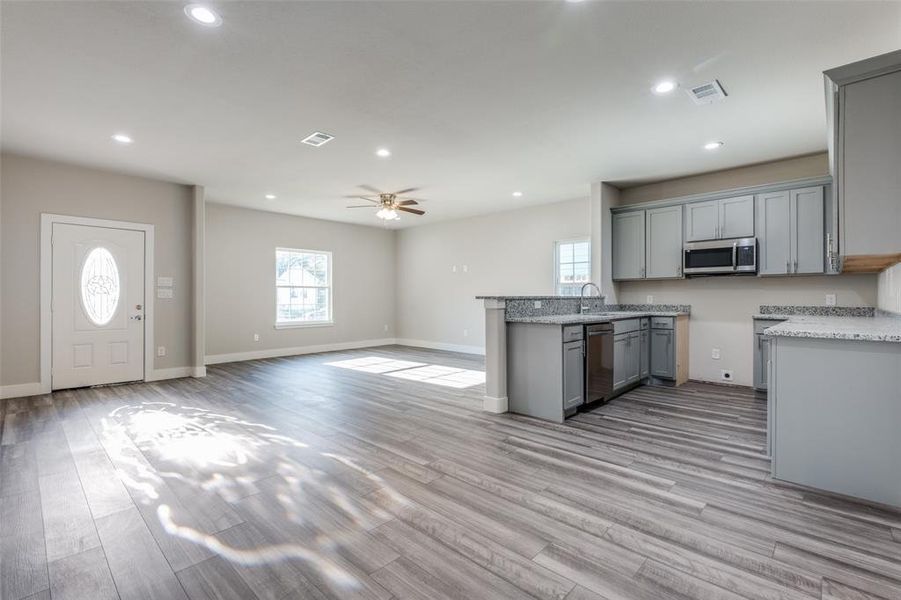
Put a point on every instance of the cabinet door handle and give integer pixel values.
(796, 265)
(788, 266)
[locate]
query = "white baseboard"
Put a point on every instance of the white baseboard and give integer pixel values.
(21, 390)
(495, 405)
(198, 371)
(215, 359)
(171, 373)
(441, 346)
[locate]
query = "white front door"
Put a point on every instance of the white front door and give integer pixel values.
(98, 305)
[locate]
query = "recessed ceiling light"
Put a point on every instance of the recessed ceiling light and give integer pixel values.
(122, 138)
(383, 152)
(517, 194)
(713, 145)
(270, 196)
(665, 87)
(203, 15)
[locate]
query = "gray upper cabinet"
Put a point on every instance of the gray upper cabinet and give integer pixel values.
(790, 230)
(864, 116)
(702, 221)
(664, 242)
(807, 228)
(736, 217)
(774, 233)
(628, 245)
(719, 219)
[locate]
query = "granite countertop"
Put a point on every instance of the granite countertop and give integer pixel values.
(871, 329)
(588, 318)
(771, 317)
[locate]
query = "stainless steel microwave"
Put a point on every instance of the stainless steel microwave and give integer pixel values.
(737, 256)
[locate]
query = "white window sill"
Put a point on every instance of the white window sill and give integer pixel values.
(303, 324)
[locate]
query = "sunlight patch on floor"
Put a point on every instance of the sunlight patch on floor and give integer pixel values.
(413, 371)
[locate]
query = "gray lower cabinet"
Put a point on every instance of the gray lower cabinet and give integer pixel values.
(644, 346)
(626, 353)
(544, 370)
(663, 353)
(573, 374)
(628, 245)
(762, 353)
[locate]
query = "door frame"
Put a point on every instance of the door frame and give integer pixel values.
(47, 222)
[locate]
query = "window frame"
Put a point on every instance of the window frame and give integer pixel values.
(329, 286)
(557, 245)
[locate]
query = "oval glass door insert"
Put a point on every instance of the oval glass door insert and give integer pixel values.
(100, 286)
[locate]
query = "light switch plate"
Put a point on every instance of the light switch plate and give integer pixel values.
(830, 299)
(164, 292)
(161, 351)
(650, 299)
(164, 282)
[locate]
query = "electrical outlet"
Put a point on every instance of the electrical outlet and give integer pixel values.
(386, 327)
(454, 269)
(650, 299)
(537, 304)
(466, 268)
(465, 333)
(161, 351)
(256, 337)
(715, 354)
(830, 299)
(726, 375)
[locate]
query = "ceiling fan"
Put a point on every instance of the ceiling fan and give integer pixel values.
(388, 203)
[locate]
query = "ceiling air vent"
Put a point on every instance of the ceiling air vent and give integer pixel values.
(317, 138)
(707, 93)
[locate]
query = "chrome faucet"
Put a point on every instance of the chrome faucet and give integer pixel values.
(583, 308)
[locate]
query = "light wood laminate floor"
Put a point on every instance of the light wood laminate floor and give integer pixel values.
(381, 478)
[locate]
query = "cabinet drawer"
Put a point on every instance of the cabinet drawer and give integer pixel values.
(759, 325)
(662, 322)
(572, 333)
(625, 326)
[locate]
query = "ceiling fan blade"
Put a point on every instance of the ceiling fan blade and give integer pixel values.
(361, 206)
(369, 188)
(415, 211)
(405, 191)
(407, 203)
(409, 198)
(363, 198)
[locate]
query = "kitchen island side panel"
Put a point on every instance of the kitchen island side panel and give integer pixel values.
(837, 416)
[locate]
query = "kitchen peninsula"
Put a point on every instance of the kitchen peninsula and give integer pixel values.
(546, 356)
(835, 403)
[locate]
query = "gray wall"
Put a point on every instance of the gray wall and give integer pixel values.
(508, 252)
(240, 280)
(812, 165)
(32, 186)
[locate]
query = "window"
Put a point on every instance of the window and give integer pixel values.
(303, 287)
(100, 286)
(573, 266)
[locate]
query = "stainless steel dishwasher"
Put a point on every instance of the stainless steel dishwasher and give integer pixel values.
(598, 362)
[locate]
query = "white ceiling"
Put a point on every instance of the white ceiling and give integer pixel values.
(475, 99)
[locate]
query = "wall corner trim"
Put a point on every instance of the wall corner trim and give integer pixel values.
(495, 405)
(21, 390)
